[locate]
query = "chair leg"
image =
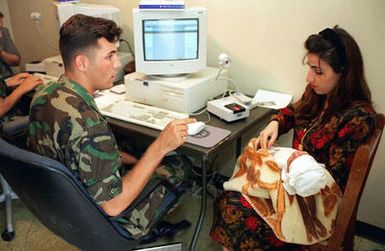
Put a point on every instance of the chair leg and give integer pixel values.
(7, 196)
(348, 242)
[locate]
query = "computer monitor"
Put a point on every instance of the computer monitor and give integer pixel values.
(170, 42)
(66, 10)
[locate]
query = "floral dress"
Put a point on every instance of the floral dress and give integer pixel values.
(333, 141)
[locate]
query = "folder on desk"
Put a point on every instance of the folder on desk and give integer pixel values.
(270, 99)
(208, 137)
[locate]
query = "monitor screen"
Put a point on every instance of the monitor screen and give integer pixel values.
(174, 39)
(170, 42)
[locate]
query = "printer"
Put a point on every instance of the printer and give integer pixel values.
(54, 65)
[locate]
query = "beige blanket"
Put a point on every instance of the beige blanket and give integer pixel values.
(294, 219)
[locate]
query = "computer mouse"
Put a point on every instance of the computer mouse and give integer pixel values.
(194, 128)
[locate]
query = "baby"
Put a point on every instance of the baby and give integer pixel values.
(300, 173)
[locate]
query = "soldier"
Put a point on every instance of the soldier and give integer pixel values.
(9, 56)
(66, 125)
(13, 107)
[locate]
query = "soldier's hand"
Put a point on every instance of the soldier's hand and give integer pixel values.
(127, 159)
(30, 83)
(174, 134)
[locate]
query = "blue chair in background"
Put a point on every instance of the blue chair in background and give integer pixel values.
(11, 131)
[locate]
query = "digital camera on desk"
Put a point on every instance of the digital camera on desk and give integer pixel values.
(187, 94)
(228, 108)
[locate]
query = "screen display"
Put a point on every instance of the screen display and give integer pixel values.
(170, 39)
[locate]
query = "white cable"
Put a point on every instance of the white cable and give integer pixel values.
(37, 23)
(201, 112)
(231, 81)
(219, 73)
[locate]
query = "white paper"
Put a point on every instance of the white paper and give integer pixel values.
(272, 100)
(106, 97)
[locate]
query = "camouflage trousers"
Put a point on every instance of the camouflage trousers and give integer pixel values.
(142, 218)
(18, 136)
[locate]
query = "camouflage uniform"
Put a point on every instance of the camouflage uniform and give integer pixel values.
(66, 125)
(15, 111)
(7, 45)
(17, 138)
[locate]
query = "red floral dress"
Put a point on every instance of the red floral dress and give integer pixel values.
(333, 142)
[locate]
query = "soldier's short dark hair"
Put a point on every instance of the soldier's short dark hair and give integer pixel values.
(80, 33)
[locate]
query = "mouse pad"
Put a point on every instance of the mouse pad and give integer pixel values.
(208, 137)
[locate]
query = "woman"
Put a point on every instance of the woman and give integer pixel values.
(331, 119)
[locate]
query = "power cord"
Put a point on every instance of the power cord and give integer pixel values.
(201, 112)
(128, 45)
(35, 16)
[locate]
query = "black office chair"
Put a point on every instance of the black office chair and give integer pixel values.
(60, 202)
(11, 131)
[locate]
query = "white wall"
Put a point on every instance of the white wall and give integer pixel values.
(265, 41)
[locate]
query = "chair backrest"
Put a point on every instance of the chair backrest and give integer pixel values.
(59, 201)
(362, 162)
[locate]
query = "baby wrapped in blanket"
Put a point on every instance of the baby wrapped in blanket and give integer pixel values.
(293, 193)
(300, 173)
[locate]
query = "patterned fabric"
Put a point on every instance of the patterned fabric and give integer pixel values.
(66, 125)
(7, 45)
(295, 219)
(238, 227)
(332, 142)
(16, 110)
(140, 220)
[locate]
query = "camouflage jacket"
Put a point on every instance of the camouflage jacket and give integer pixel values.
(7, 45)
(15, 111)
(66, 125)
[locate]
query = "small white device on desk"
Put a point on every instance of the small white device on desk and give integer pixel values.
(228, 108)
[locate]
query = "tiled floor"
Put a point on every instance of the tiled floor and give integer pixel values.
(31, 235)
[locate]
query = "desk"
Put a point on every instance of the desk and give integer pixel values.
(237, 128)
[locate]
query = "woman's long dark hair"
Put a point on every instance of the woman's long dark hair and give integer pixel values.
(351, 86)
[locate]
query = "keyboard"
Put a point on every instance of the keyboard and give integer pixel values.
(46, 78)
(140, 114)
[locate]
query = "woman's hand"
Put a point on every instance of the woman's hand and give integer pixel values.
(268, 136)
(174, 134)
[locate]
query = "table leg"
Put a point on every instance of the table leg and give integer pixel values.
(203, 205)
(238, 147)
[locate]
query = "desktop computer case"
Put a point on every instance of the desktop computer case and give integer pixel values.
(185, 95)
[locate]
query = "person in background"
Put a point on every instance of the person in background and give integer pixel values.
(331, 120)
(66, 125)
(12, 91)
(9, 56)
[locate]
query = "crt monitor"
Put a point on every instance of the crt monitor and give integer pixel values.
(66, 10)
(170, 42)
